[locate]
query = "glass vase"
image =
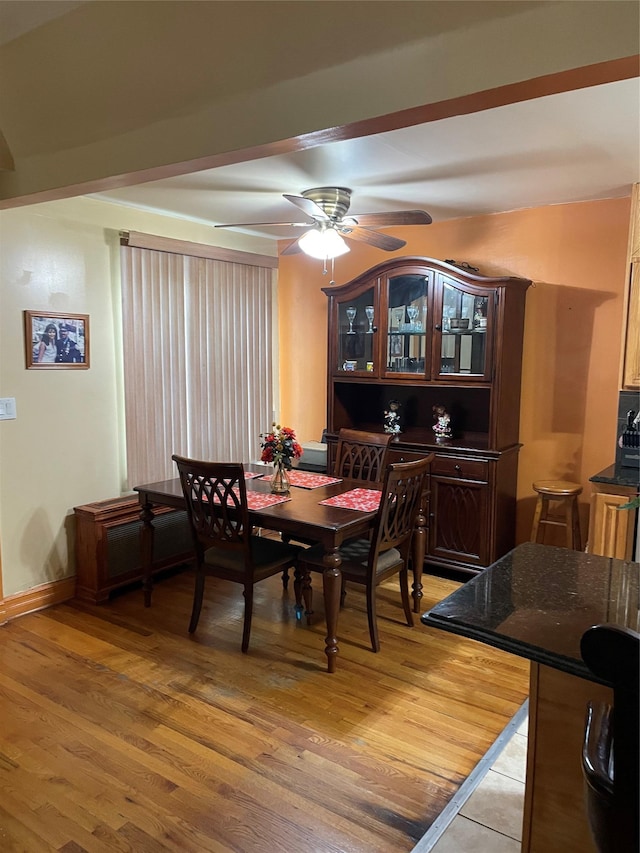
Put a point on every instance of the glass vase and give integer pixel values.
(280, 480)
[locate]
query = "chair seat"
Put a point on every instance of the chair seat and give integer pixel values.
(266, 553)
(355, 556)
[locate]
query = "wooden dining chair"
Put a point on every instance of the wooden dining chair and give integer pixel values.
(361, 455)
(369, 562)
(216, 502)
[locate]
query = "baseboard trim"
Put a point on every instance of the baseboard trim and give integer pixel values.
(39, 598)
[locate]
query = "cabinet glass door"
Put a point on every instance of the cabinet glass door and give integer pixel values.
(357, 324)
(463, 325)
(406, 344)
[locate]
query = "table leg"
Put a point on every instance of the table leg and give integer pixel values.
(418, 547)
(146, 546)
(332, 584)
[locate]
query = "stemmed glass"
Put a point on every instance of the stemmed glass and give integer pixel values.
(351, 316)
(369, 312)
(412, 312)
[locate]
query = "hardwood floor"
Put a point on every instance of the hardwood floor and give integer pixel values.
(120, 732)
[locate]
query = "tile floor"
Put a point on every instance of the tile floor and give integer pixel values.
(485, 816)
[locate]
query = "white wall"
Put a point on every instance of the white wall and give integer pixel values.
(66, 446)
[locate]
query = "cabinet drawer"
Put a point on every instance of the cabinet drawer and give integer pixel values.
(457, 466)
(394, 456)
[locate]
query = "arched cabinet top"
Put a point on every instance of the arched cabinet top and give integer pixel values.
(396, 266)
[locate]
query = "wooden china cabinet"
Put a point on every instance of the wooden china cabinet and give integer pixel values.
(427, 333)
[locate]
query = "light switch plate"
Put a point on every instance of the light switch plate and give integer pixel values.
(7, 408)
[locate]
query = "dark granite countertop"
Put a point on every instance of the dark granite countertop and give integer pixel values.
(538, 600)
(616, 476)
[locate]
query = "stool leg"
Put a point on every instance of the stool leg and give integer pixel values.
(575, 525)
(568, 521)
(535, 530)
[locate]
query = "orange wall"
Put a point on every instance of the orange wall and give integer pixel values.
(576, 256)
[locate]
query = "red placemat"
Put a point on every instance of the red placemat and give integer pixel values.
(249, 475)
(307, 480)
(259, 500)
(364, 500)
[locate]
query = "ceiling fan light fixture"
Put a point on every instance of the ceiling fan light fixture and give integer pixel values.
(323, 244)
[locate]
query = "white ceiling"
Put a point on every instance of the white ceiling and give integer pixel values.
(577, 146)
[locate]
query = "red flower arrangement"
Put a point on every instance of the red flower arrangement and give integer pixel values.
(280, 446)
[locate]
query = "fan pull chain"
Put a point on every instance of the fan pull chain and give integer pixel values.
(333, 270)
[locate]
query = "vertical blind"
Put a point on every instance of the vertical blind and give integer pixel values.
(198, 373)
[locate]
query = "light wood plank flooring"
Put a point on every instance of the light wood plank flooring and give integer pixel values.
(122, 733)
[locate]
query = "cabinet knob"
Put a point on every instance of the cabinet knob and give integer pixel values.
(458, 468)
(438, 327)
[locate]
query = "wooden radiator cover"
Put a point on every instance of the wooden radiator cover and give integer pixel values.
(108, 554)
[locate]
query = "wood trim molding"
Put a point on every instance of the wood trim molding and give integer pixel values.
(138, 240)
(609, 71)
(38, 598)
(630, 361)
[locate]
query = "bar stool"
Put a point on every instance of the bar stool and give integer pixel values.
(565, 493)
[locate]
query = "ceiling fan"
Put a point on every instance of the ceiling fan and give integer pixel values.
(327, 209)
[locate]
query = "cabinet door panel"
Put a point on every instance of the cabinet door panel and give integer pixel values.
(462, 343)
(406, 344)
(357, 339)
(459, 523)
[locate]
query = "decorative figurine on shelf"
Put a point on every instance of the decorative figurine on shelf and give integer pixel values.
(392, 418)
(441, 428)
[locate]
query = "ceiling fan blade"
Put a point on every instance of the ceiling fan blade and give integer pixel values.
(392, 217)
(266, 224)
(307, 206)
(372, 238)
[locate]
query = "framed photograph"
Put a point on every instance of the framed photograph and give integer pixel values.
(396, 318)
(56, 340)
(396, 346)
(352, 346)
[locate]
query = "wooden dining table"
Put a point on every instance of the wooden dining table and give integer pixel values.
(303, 516)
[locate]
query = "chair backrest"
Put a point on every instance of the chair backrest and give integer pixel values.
(361, 455)
(612, 652)
(216, 503)
(402, 492)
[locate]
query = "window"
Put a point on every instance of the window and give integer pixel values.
(197, 358)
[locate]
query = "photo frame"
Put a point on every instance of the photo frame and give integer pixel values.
(396, 346)
(352, 346)
(396, 318)
(56, 340)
